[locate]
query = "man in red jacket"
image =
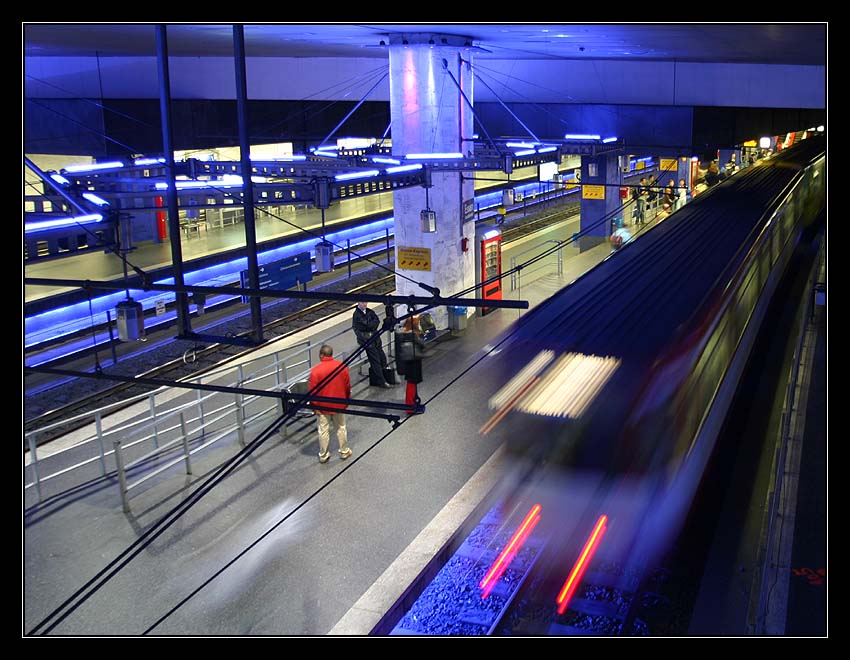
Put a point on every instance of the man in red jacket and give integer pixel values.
(327, 413)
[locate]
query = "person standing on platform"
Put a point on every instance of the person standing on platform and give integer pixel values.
(683, 194)
(409, 364)
(642, 195)
(331, 413)
(365, 323)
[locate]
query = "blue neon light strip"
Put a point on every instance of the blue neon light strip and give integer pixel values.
(58, 178)
(90, 167)
(42, 225)
(546, 150)
(403, 168)
(325, 154)
(388, 161)
(290, 158)
(148, 161)
(525, 152)
(521, 145)
(94, 199)
(72, 318)
(435, 156)
(610, 139)
(182, 185)
(356, 175)
(580, 136)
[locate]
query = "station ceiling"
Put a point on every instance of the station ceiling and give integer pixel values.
(785, 43)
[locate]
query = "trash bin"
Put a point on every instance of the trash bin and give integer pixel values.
(130, 319)
(324, 257)
(457, 318)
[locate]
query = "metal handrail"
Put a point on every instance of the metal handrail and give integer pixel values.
(779, 466)
(515, 274)
(151, 427)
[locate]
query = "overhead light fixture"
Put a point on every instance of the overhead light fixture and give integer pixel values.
(61, 222)
(546, 150)
(94, 199)
(525, 152)
(609, 139)
(820, 128)
(356, 175)
(581, 136)
(403, 168)
(191, 184)
(58, 178)
(148, 161)
(88, 167)
(434, 156)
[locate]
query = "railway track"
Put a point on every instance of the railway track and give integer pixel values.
(193, 358)
(183, 358)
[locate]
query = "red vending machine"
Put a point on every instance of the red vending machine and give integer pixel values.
(488, 264)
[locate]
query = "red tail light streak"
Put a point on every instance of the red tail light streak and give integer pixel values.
(510, 551)
(574, 579)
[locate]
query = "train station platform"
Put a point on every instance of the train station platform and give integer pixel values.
(323, 534)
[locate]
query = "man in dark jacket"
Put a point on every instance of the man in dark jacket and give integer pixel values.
(331, 413)
(365, 323)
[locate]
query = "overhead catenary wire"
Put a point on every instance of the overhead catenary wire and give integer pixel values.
(74, 121)
(97, 582)
(101, 105)
(347, 86)
(304, 502)
(83, 593)
(511, 112)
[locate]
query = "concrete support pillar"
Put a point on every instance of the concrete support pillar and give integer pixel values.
(601, 179)
(429, 116)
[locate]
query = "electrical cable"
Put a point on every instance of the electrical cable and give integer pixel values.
(160, 526)
(94, 584)
(74, 121)
(102, 106)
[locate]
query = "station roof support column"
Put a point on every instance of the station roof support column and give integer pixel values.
(430, 117)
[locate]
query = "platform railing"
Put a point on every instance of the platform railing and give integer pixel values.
(556, 259)
(780, 467)
(175, 417)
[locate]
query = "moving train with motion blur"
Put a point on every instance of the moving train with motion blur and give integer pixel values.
(618, 385)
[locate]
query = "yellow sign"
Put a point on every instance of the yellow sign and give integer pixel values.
(640, 165)
(669, 165)
(414, 258)
(592, 192)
